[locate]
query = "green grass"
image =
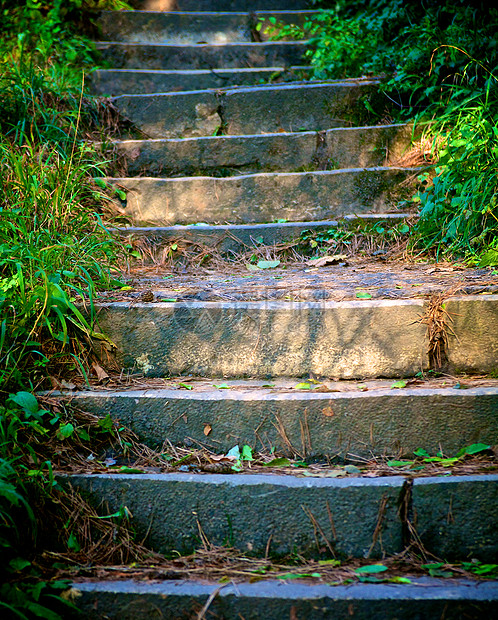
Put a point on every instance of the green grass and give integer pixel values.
(55, 253)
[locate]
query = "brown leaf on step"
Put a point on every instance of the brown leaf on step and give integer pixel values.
(334, 259)
(217, 458)
(327, 411)
(207, 429)
(102, 376)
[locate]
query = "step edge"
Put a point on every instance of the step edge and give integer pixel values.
(264, 395)
(232, 179)
(235, 137)
(421, 588)
(280, 480)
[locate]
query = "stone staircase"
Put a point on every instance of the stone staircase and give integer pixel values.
(224, 154)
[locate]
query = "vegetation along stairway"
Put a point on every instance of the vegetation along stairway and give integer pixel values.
(239, 150)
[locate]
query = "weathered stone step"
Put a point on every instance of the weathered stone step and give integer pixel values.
(456, 518)
(219, 5)
(193, 27)
(350, 339)
(423, 598)
(349, 147)
(142, 82)
(237, 237)
(264, 197)
(342, 420)
(201, 56)
(253, 109)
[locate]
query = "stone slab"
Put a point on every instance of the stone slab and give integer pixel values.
(353, 339)
(423, 598)
(201, 56)
(177, 28)
(264, 197)
(230, 238)
(251, 110)
(218, 5)
(378, 421)
(115, 82)
(457, 519)
(473, 345)
(354, 147)
(296, 107)
(254, 513)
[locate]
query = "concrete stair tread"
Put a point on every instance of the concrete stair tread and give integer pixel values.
(338, 282)
(275, 599)
(201, 56)
(342, 419)
(341, 147)
(363, 338)
(285, 107)
(218, 5)
(263, 197)
(169, 507)
(116, 82)
(239, 238)
(192, 26)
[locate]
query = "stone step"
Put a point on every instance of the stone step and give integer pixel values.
(193, 27)
(265, 197)
(349, 147)
(423, 598)
(201, 56)
(455, 518)
(361, 339)
(219, 5)
(253, 109)
(114, 82)
(342, 420)
(238, 237)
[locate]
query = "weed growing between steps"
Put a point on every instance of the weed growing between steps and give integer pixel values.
(439, 62)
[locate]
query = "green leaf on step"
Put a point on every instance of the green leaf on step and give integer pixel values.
(398, 385)
(400, 463)
(400, 580)
(297, 576)
(278, 462)
(251, 267)
(267, 264)
(169, 299)
(129, 470)
(268, 385)
(363, 295)
(421, 452)
(221, 386)
(329, 562)
(247, 453)
(370, 569)
(186, 386)
(304, 386)
(126, 288)
(475, 448)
